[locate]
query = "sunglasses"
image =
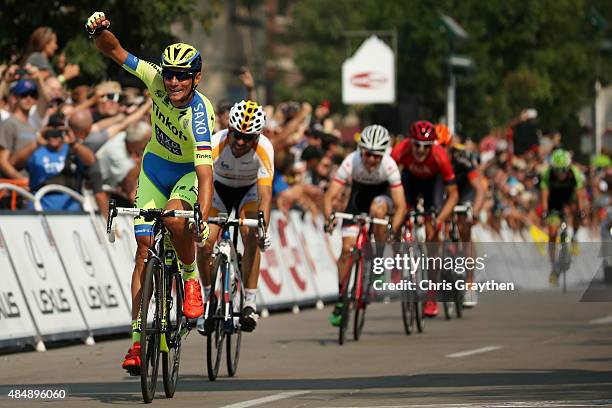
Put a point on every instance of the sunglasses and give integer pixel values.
(179, 75)
(31, 94)
(422, 145)
(243, 136)
(560, 170)
(372, 154)
(114, 97)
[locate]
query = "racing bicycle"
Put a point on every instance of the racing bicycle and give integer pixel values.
(162, 323)
(222, 317)
(356, 284)
(453, 247)
(413, 241)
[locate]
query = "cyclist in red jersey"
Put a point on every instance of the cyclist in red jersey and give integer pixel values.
(423, 161)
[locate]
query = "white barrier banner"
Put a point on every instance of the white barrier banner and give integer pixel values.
(294, 258)
(90, 270)
(122, 253)
(274, 281)
(15, 320)
(318, 252)
(40, 270)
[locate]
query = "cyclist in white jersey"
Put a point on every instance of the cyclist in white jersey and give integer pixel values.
(376, 188)
(243, 165)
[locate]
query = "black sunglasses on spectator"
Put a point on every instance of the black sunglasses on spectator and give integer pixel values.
(180, 75)
(32, 94)
(243, 136)
(111, 97)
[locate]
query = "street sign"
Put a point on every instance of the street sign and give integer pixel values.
(369, 75)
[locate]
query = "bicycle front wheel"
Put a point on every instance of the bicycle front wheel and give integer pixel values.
(347, 302)
(360, 292)
(234, 336)
(176, 323)
(151, 314)
(216, 336)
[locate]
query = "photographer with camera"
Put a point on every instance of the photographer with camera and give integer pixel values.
(55, 157)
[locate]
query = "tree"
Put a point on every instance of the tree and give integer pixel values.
(528, 54)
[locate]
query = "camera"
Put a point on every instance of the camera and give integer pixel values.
(21, 72)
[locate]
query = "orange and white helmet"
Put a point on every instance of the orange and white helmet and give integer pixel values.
(445, 137)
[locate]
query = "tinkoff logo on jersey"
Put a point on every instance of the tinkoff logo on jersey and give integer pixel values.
(165, 120)
(168, 143)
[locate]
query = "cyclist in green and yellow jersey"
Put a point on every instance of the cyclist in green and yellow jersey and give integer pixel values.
(176, 169)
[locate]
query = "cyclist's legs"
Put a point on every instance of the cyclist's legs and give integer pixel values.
(182, 197)
(348, 242)
(465, 235)
(380, 207)
(251, 256)
(147, 196)
(553, 221)
(204, 254)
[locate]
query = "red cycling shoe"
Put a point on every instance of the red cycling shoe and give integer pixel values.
(193, 307)
(132, 360)
(430, 309)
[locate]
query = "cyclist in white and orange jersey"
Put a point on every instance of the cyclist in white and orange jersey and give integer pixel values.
(243, 164)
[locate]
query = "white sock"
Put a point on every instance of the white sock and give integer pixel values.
(250, 297)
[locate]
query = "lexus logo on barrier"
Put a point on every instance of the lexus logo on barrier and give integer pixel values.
(35, 256)
(368, 80)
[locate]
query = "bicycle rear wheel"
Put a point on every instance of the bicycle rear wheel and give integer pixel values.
(234, 337)
(215, 338)
(176, 323)
(449, 307)
(150, 331)
(408, 315)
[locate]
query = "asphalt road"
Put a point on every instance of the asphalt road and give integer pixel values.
(514, 349)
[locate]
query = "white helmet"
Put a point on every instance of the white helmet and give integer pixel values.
(375, 138)
(247, 117)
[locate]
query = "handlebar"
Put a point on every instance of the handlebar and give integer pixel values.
(357, 218)
(148, 214)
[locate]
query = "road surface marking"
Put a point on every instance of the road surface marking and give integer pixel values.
(522, 404)
(474, 351)
(264, 400)
(602, 320)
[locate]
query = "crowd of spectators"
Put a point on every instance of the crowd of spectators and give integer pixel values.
(91, 138)
(87, 138)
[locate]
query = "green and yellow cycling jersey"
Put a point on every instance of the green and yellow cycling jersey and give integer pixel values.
(180, 141)
(179, 135)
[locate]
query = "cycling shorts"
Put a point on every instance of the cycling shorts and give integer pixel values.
(349, 228)
(226, 198)
(159, 182)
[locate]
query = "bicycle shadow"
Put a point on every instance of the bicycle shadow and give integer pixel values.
(492, 386)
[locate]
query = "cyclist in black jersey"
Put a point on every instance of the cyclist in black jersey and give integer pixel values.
(563, 192)
(471, 193)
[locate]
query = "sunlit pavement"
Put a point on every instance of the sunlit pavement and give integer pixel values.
(528, 349)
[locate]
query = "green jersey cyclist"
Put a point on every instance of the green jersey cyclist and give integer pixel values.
(563, 193)
(176, 168)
